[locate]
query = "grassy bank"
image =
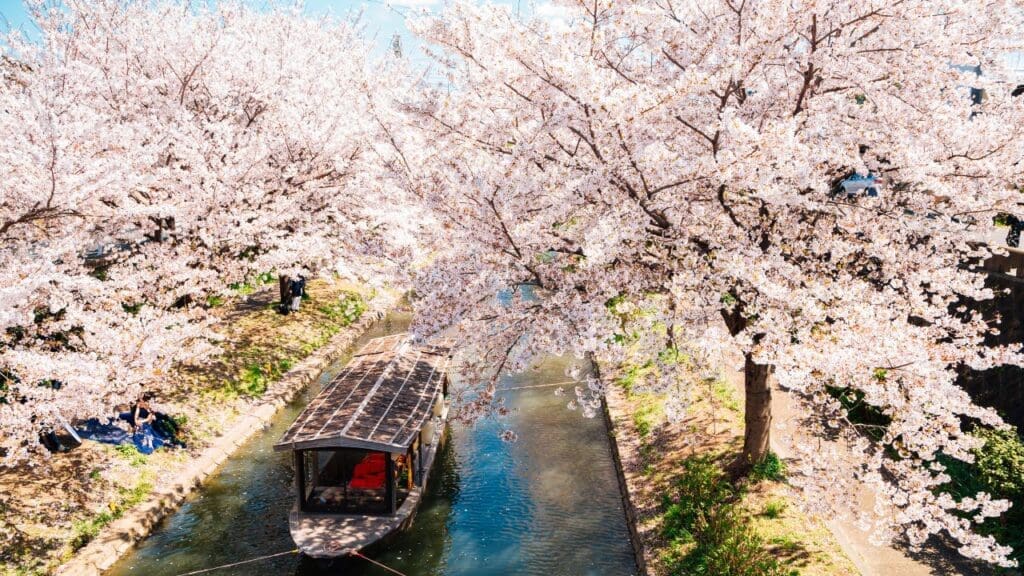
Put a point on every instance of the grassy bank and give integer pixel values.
(49, 512)
(692, 516)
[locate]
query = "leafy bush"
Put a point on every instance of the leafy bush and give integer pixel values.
(704, 515)
(769, 468)
(1000, 462)
(998, 470)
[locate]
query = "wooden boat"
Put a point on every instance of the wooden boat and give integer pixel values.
(365, 445)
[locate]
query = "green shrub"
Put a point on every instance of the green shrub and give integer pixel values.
(1000, 462)
(707, 533)
(998, 469)
(701, 486)
(769, 468)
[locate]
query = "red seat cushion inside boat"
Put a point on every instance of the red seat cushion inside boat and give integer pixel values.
(369, 473)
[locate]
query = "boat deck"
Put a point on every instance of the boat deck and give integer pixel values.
(334, 535)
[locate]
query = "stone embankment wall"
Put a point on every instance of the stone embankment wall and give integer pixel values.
(625, 446)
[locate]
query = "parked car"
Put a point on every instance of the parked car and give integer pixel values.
(858, 185)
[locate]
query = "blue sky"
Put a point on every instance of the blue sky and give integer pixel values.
(382, 19)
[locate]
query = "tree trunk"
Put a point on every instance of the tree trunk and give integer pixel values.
(757, 418)
(283, 285)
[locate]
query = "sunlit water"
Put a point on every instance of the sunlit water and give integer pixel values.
(547, 504)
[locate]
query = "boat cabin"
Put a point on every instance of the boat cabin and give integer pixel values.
(364, 446)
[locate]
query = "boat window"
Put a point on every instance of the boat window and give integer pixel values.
(345, 481)
(348, 481)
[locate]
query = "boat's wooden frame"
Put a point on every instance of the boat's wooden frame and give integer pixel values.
(391, 398)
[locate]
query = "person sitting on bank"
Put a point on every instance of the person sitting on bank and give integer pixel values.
(142, 413)
(297, 290)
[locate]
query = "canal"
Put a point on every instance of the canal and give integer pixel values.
(547, 504)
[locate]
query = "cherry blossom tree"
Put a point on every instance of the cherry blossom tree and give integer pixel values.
(662, 176)
(154, 153)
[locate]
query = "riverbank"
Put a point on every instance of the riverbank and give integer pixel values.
(652, 454)
(83, 509)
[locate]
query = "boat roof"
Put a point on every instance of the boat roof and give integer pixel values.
(379, 401)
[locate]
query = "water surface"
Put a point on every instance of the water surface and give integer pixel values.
(547, 504)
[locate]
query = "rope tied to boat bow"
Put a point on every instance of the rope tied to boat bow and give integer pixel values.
(378, 564)
(233, 564)
(296, 551)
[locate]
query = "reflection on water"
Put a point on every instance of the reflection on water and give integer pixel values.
(547, 504)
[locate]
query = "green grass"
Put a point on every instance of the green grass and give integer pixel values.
(774, 508)
(634, 375)
(86, 530)
(648, 414)
(131, 455)
(725, 395)
(259, 367)
(346, 310)
(787, 543)
(255, 377)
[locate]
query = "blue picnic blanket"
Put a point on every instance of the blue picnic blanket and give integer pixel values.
(147, 439)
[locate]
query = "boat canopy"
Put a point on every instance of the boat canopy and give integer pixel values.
(379, 402)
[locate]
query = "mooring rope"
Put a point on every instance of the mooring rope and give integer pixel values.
(542, 385)
(233, 564)
(374, 562)
(296, 551)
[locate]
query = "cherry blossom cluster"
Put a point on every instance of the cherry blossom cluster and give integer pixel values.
(685, 159)
(154, 153)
